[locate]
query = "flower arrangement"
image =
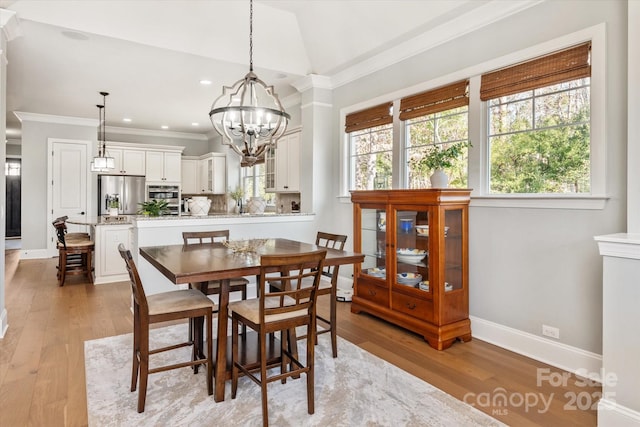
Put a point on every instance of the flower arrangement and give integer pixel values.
(236, 194)
(438, 158)
(154, 208)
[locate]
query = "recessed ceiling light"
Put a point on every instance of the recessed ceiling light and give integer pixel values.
(126, 119)
(205, 82)
(164, 127)
(195, 124)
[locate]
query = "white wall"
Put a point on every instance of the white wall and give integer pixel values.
(528, 267)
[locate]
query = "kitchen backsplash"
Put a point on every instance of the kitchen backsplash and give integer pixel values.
(284, 203)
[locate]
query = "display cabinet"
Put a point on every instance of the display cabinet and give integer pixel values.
(415, 272)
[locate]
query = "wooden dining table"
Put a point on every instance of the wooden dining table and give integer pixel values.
(198, 264)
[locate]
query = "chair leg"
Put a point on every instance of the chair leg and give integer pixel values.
(310, 372)
(234, 357)
(144, 367)
(333, 318)
(63, 267)
(263, 378)
(209, 354)
(89, 266)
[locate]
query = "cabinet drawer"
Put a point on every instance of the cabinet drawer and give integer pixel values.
(373, 293)
(412, 306)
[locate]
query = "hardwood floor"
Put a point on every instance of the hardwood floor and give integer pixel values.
(42, 380)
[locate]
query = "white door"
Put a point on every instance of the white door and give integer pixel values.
(69, 164)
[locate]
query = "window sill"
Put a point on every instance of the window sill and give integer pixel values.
(547, 201)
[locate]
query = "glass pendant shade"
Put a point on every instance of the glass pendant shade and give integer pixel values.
(102, 162)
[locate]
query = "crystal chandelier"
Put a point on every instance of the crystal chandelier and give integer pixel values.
(249, 115)
(102, 162)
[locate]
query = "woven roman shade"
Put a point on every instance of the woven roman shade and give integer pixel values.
(369, 118)
(444, 98)
(569, 64)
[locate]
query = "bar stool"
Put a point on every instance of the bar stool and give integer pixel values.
(75, 253)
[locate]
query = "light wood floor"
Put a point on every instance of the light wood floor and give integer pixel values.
(42, 380)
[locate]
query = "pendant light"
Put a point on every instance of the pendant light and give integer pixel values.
(249, 115)
(102, 162)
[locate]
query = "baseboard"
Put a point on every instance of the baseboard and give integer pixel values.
(4, 324)
(566, 357)
(34, 254)
(611, 414)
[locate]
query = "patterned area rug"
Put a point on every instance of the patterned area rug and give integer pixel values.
(355, 389)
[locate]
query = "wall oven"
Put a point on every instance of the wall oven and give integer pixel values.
(169, 193)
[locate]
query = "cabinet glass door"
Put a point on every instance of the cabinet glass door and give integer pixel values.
(374, 238)
(412, 249)
(453, 256)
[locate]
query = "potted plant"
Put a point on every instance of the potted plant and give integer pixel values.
(237, 196)
(437, 159)
(114, 205)
(154, 208)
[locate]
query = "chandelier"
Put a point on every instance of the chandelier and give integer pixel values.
(249, 115)
(102, 163)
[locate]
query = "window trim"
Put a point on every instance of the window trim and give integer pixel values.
(478, 154)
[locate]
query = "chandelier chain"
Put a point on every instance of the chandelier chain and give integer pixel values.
(250, 35)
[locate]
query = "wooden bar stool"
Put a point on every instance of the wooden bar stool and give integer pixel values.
(75, 253)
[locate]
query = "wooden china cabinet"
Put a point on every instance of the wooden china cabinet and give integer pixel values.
(416, 268)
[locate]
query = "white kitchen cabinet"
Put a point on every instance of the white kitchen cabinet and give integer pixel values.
(109, 266)
(212, 173)
(163, 167)
(127, 161)
(286, 164)
(189, 173)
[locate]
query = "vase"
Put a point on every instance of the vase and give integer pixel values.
(256, 205)
(199, 206)
(439, 179)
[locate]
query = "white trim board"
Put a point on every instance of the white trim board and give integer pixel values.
(566, 357)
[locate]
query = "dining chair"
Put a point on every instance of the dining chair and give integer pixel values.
(75, 252)
(163, 307)
(327, 287)
(238, 284)
(280, 311)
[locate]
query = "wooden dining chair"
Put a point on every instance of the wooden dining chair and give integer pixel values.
(328, 286)
(162, 307)
(280, 311)
(238, 284)
(75, 252)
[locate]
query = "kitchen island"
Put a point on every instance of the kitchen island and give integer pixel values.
(167, 230)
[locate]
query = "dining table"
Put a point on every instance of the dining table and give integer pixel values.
(199, 264)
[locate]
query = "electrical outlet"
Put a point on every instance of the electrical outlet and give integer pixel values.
(550, 331)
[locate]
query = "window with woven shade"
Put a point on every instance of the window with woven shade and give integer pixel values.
(371, 142)
(539, 124)
(435, 118)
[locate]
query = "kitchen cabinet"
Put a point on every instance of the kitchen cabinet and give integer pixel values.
(282, 165)
(212, 175)
(127, 161)
(163, 167)
(109, 266)
(416, 267)
(189, 176)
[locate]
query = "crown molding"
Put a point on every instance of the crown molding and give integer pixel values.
(161, 133)
(312, 81)
(10, 24)
(466, 23)
(49, 118)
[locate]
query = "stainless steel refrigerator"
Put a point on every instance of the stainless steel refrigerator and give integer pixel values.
(128, 191)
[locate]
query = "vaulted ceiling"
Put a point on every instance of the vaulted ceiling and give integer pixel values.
(151, 55)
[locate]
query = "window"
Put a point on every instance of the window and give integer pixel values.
(371, 142)
(438, 117)
(539, 124)
(253, 183)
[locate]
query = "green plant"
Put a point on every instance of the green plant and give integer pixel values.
(437, 157)
(236, 194)
(154, 207)
(114, 204)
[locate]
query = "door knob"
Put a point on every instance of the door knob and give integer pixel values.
(81, 213)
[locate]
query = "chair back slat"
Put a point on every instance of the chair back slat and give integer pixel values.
(137, 290)
(332, 241)
(61, 230)
(200, 237)
(290, 271)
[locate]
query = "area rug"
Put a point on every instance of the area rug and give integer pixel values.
(355, 389)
